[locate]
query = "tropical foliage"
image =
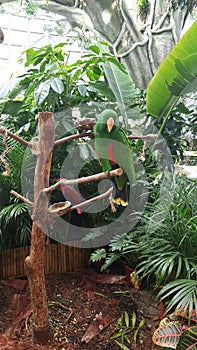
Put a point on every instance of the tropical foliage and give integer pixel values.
(169, 251)
(176, 75)
(174, 79)
(15, 222)
(47, 82)
(172, 335)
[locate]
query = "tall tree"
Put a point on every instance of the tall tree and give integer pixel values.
(140, 32)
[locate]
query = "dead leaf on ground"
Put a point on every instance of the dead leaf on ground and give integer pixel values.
(95, 277)
(99, 322)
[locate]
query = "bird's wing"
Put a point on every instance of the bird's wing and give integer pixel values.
(101, 146)
(123, 155)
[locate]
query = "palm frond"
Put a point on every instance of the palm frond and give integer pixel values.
(181, 296)
(15, 225)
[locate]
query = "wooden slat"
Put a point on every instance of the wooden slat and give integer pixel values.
(59, 258)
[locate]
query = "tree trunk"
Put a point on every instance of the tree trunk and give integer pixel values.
(140, 41)
(34, 263)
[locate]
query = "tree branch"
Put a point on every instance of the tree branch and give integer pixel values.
(88, 124)
(90, 134)
(23, 199)
(82, 180)
(82, 204)
(73, 137)
(142, 137)
(70, 137)
(91, 200)
(15, 137)
(96, 177)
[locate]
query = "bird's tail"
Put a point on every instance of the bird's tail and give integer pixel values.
(120, 197)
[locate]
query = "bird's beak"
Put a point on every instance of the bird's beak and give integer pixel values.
(110, 124)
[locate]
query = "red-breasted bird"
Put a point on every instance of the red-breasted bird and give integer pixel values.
(71, 195)
(114, 149)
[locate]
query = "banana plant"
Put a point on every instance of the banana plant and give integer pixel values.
(176, 76)
(122, 86)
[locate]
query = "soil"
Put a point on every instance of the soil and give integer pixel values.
(75, 304)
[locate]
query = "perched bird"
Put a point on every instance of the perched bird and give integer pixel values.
(71, 195)
(114, 150)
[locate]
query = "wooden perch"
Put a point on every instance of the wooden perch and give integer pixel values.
(82, 180)
(73, 137)
(85, 123)
(92, 200)
(54, 209)
(15, 137)
(88, 125)
(23, 199)
(142, 137)
(62, 208)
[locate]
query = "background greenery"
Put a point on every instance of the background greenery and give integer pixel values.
(166, 255)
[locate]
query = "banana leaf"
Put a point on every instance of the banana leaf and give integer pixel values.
(176, 76)
(121, 85)
(123, 89)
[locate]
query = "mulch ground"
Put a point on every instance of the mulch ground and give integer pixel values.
(77, 306)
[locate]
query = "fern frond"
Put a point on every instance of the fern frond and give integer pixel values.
(98, 255)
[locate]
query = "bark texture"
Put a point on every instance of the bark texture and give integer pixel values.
(140, 41)
(34, 263)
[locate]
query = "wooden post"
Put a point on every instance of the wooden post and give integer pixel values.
(34, 263)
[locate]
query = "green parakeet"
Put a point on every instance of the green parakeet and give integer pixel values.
(114, 150)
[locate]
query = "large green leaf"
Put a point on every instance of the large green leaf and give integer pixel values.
(57, 85)
(176, 75)
(42, 92)
(10, 107)
(123, 89)
(188, 340)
